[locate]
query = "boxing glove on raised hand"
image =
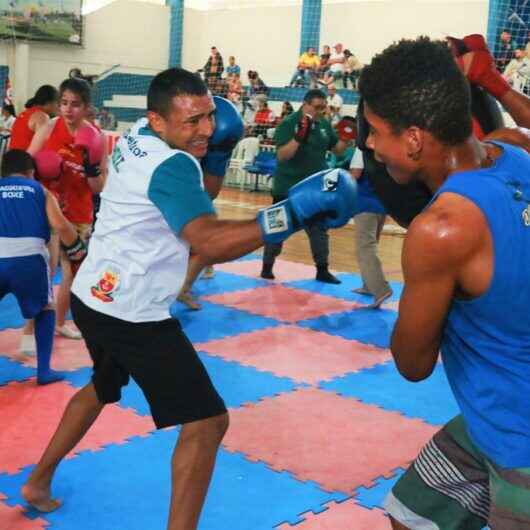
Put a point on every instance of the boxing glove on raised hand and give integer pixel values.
(91, 141)
(48, 165)
(229, 129)
(327, 198)
(303, 128)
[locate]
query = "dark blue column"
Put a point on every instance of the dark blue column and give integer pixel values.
(175, 31)
(310, 34)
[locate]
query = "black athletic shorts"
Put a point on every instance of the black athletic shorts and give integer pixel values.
(158, 356)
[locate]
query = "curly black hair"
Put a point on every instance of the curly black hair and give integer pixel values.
(417, 83)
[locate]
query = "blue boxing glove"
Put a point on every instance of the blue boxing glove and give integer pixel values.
(229, 129)
(328, 198)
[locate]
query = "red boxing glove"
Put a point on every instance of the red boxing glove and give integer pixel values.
(475, 42)
(347, 130)
(470, 43)
(479, 68)
(477, 64)
(303, 129)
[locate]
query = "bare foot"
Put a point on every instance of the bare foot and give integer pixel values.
(40, 498)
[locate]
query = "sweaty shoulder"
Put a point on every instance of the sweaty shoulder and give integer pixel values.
(448, 232)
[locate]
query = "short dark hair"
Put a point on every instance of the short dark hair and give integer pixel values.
(312, 94)
(16, 161)
(418, 83)
(170, 83)
(77, 86)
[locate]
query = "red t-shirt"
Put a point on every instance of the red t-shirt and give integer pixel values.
(21, 134)
(263, 117)
(75, 195)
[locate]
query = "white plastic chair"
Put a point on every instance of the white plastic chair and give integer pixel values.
(244, 153)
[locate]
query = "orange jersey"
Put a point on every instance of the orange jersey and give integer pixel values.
(21, 134)
(75, 195)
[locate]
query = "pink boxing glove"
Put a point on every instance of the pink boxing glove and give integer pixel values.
(91, 140)
(48, 164)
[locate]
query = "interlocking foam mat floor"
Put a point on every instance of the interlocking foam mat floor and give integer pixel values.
(322, 424)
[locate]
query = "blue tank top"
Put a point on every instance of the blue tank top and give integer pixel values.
(23, 209)
(486, 341)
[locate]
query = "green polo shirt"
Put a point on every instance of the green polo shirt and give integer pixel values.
(309, 158)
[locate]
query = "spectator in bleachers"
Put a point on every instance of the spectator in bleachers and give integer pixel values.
(220, 87)
(306, 70)
(106, 120)
(287, 109)
(232, 68)
(7, 119)
(527, 45)
(517, 72)
(352, 69)
(264, 117)
(504, 50)
(334, 102)
(213, 69)
(336, 63)
(257, 85)
(235, 90)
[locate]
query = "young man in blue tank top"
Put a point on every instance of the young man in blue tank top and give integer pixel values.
(467, 291)
(27, 211)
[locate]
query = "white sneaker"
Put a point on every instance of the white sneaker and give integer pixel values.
(67, 332)
(28, 345)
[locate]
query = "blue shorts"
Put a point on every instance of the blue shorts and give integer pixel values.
(28, 278)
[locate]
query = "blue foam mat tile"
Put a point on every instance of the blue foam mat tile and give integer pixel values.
(370, 326)
(215, 321)
(12, 371)
(430, 400)
(343, 290)
(374, 497)
(238, 384)
(10, 315)
(99, 488)
(225, 282)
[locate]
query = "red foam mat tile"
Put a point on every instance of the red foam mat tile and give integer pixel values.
(31, 413)
(12, 518)
(68, 355)
(338, 442)
(304, 355)
(283, 303)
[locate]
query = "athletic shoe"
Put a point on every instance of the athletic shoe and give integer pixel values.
(28, 345)
(323, 275)
(68, 332)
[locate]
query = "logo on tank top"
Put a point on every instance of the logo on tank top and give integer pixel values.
(526, 216)
(106, 286)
